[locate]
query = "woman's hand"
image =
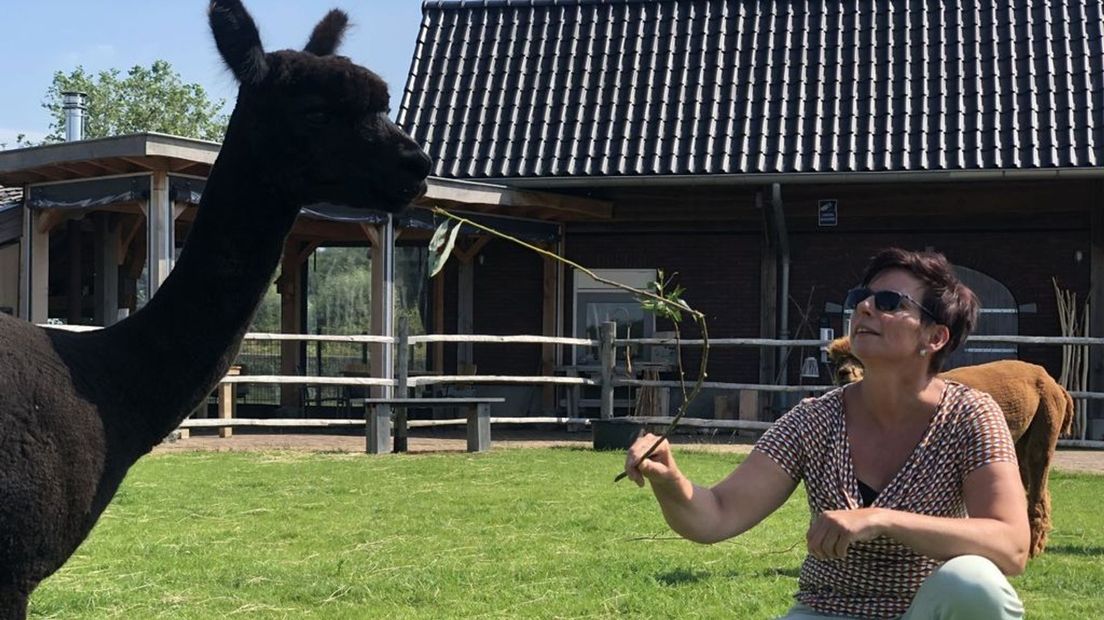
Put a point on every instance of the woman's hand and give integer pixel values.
(834, 531)
(659, 468)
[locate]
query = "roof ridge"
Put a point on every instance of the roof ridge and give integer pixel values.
(495, 4)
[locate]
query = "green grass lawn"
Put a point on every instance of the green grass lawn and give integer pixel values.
(512, 533)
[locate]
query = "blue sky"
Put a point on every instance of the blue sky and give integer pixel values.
(45, 36)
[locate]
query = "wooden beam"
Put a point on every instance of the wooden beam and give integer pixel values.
(130, 230)
(304, 253)
(469, 194)
(50, 174)
(179, 165)
(371, 234)
(138, 163)
(76, 169)
(35, 173)
(51, 218)
(99, 163)
(469, 254)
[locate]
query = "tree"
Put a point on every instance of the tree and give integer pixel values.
(145, 99)
(21, 141)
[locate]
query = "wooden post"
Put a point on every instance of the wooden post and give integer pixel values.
(606, 358)
(768, 296)
(291, 352)
(402, 359)
(479, 428)
(107, 270)
(160, 236)
(227, 401)
(36, 292)
(74, 298)
(378, 428)
(439, 320)
(464, 309)
(548, 325)
(1096, 302)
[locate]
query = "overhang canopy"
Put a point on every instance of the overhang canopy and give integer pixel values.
(116, 155)
(94, 173)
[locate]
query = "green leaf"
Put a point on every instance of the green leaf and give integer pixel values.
(440, 246)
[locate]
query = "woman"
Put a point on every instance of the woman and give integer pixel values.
(892, 466)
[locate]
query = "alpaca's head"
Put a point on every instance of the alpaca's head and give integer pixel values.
(315, 122)
(846, 368)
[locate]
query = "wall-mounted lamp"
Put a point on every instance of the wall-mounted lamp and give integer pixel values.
(810, 369)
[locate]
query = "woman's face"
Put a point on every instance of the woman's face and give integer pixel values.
(893, 336)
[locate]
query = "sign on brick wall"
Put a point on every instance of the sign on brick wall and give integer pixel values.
(827, 213)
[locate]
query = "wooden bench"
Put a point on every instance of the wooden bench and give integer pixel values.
(377, 412)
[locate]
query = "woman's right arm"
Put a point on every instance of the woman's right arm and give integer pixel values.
(752, 491)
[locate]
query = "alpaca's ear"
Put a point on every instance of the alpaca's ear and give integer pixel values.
(326, 36)
(839, 349)
(238, 40)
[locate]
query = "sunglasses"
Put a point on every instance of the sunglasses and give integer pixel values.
(884, 301)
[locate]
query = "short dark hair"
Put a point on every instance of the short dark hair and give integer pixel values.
(951, 302)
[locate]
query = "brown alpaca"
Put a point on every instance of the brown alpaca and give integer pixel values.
(78, 409)
(1037, 410)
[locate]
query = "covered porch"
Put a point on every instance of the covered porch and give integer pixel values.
(102, 222)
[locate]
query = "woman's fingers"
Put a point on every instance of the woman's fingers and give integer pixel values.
(814, 538)
(657, 464)
(839, 549)
(827, 540)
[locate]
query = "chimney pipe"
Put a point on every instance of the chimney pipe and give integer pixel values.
(74, 103)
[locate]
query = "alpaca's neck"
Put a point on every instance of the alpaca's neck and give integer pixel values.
(182, 342)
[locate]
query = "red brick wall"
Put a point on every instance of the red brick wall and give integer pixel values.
(1024, 261)
(507, 300)
(1020, 234)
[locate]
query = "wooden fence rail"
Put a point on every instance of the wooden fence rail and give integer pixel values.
(607, 380)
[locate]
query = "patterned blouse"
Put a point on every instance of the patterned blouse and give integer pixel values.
(880, 577)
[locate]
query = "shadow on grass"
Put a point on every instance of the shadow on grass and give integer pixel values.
(792, 572)
(1085, 550)
(682, 576)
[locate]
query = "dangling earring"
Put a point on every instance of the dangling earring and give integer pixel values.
(923, 352)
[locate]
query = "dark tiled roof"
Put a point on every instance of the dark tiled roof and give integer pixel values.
(523, 88)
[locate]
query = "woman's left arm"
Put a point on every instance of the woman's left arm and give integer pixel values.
(996, 529)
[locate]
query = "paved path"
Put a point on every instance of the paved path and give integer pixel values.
(1090, 461)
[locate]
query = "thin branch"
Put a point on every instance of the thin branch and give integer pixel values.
(640, 293)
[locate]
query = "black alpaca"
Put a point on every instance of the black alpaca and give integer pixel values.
(77, 410)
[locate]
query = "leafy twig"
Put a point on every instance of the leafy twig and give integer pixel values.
(669, 305)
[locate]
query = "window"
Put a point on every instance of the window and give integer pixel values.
(596, 303)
